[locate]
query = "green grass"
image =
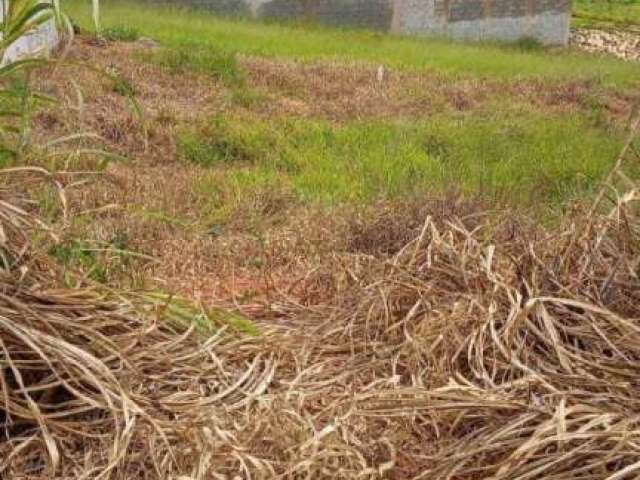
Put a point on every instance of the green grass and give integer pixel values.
(618, 12)
(220, 64)
(512, 154)
(208, 321)
(187, 29)
(78, 254)
(122, 86)
(520, 156)
(121, 33)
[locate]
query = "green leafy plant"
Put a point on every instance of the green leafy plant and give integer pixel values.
(20, 17)
(122, 86)
(79, 254)
(17, 105)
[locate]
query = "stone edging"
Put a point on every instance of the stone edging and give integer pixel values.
(623, 44)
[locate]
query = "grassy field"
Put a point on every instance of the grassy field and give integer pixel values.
(616, 12)
(252, 127)
(521, 157)
(179, 29)
(483, 131)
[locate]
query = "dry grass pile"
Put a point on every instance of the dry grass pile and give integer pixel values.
(478, 349)
(94, 386)
(496, 351)
(518, 360)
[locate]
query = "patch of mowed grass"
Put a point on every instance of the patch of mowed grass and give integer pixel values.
(220, 64)
(520, 157)
(181, 28)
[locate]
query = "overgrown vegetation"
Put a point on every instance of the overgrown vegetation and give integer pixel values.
(474, 350)
(18, 100)
(384, 327)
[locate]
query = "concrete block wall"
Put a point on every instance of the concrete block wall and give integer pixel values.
(374, 14)
(547, 21)
(508, 20)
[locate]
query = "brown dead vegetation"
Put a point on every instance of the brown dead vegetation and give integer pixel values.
(464, 346)
(415, 340)
(343, 92)
(166, 100)
(410, 341)
(339, 92)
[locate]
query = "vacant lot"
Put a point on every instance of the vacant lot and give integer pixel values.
(268, 251)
